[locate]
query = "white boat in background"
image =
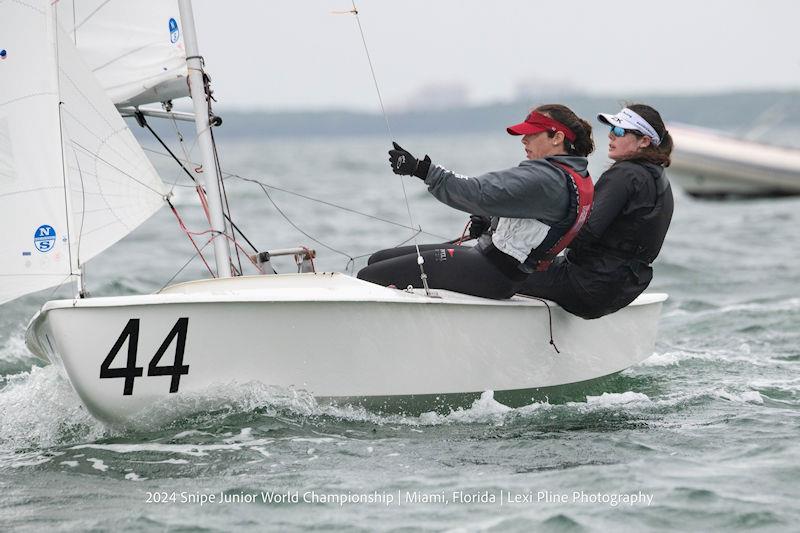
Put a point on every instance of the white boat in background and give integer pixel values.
(77, 182)
(711, 163)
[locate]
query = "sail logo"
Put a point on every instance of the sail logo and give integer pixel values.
(174, 34)
(44, 238)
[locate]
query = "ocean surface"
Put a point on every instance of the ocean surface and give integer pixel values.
(702, 436)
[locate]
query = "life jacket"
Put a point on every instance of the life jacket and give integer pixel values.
(635, 237)
(557, 239)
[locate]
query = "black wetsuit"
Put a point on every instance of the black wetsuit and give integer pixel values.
(532, 204)
(464, 269)
(608, 264)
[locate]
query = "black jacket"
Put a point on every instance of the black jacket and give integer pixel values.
(630, 216)
(608, 264)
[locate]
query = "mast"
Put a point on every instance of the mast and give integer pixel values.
(198, 94)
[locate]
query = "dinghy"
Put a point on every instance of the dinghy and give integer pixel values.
(710, 163)
(76, 181)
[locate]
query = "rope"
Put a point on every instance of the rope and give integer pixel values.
(350, 265)
(420, 260)
(199, 252)
(549, 318)
(463, 234)
(331, 204)
(418, 231)
(225, 197)
(141, 119)
(189, 234)
(295, 226)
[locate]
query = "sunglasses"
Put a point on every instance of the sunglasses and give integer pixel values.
(617, 131)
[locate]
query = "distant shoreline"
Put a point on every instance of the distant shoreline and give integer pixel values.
(728, 111)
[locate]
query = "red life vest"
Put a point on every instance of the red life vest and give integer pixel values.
(584, 189)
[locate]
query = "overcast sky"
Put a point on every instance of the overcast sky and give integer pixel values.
(295, 54)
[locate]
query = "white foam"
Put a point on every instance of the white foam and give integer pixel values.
(610, 399)
(676, 357)
(261, 450)
(191, 433)
(750, 396)
(133, 476)
(246, 434)
(786, 385)
(222, 399)
(97, 464)
(15, 351)
(484, 409)
(167, 462)
(195, 450)
(40, 409)
(18, 460)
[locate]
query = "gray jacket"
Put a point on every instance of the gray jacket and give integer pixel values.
(528, 199)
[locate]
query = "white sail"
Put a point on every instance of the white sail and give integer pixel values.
(73, 180)
(134, 48)
(34, 253)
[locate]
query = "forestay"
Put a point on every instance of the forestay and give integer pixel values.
(73, 180)
(134, 48)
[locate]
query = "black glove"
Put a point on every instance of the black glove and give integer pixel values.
(405, 164)
(478, 225)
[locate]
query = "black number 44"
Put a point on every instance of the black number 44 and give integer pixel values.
(130, 371)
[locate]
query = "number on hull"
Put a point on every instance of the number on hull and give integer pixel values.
(130, 371)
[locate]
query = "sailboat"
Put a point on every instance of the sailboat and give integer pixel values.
(711, 163)
(75, 181)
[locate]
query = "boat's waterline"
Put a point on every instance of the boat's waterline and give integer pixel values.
(352, 340)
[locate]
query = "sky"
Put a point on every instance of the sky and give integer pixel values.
(297, 54)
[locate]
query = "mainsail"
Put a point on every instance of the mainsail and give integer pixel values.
(73, 180)
(134, 48)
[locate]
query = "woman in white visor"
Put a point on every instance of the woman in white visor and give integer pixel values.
(609, 263)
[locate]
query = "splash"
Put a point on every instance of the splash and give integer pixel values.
(15, 357)
(608, 399)
(40, 410)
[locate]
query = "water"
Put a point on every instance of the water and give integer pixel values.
(707, 427)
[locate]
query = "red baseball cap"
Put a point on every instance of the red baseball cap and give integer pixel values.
(536, 122)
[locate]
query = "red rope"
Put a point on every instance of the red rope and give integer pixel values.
(189, 234)
(203, 201)
(310, 258)
(463, 234)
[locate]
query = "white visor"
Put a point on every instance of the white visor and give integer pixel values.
(630, 120)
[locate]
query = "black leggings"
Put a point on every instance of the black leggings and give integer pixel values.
(455, 268)
(585, 293)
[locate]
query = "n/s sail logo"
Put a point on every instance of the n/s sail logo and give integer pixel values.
(174, 34)
(44, 238)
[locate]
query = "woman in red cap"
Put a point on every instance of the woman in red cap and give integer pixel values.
(520, 215)
(608, 264)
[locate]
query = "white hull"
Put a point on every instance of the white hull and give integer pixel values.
(334, 336)
(710, 163)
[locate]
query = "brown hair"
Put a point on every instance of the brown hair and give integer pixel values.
(583, 144)
(659, 155)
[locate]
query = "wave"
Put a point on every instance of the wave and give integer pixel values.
(43, 418)
(15, 357)
(40, 410)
